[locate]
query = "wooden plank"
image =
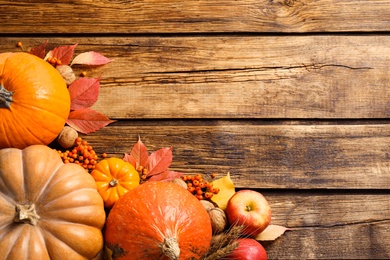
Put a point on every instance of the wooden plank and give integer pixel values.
(173, 16)
(264, 156)
(330, 225)
(238, 77)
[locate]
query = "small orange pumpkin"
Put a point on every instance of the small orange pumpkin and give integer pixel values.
(34, 101)
(48, 209)
(114, 177)
(158, 220)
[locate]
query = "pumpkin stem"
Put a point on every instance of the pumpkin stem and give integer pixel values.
(113, 182)
(5, 97)
(26, 214)
(170, 248)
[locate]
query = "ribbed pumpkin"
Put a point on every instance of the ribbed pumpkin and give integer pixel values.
(48, 209)
(114, 177)
(158, 220)
(34, 101)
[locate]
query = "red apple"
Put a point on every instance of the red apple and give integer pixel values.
(248, 249)
(250, 209)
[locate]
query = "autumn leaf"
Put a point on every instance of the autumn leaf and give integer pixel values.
(166, 176)
(62, 53)
(84, 92)
(272, 232)
(155, 165)
(138, 155)
(40, 50)
(226, 191)
(87, 120)
(159, 161)
(90, 58)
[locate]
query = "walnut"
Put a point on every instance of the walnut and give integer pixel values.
(207, 204)
(180, 182)
(67, 137)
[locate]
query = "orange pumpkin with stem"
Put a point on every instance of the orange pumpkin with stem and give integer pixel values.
(114, 177)
(34, 101)
(158, 220)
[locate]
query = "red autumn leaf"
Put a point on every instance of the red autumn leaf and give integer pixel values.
(138, 155)
(84, 92)
(166, 176)
(62, 53)
(90, 58)
(129, 159)
(40, 50)
(272, 232)
(87, 120)
(159, 161)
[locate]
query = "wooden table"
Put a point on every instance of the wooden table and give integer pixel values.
(291, 97)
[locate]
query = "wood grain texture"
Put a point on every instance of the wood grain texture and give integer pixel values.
(330, 225)
(238, 77)
(289, 96)
(265, 156)
(192, 16)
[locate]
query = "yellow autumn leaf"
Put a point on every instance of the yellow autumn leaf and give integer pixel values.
(272, 232)
(226, 191)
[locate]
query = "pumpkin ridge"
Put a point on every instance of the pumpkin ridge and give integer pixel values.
(43, 190)
(21, 125)
(15, 238)
(64, 195)
(15, 133)
(2, 130)
(29, 107)
(54, 236)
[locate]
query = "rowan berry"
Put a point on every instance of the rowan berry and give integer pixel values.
(200, 188)
(208, 195)
(199, 197)
(82, 153)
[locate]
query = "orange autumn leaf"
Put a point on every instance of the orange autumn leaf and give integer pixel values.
(226, 191)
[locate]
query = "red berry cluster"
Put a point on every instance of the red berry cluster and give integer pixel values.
(54, 61)
(201, 188)
(82, 153)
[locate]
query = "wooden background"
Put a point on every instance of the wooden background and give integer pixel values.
(291, 97)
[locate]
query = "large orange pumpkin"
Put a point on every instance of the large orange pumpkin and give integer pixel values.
(34, 101)
(114, 177)
(48, 209)
(158, 220)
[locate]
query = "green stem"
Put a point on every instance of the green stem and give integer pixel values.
(5, 97)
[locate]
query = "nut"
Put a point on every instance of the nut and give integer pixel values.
(207, 205)
(218, 220)
(67, 137)
(180, 182)
(67, 73)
